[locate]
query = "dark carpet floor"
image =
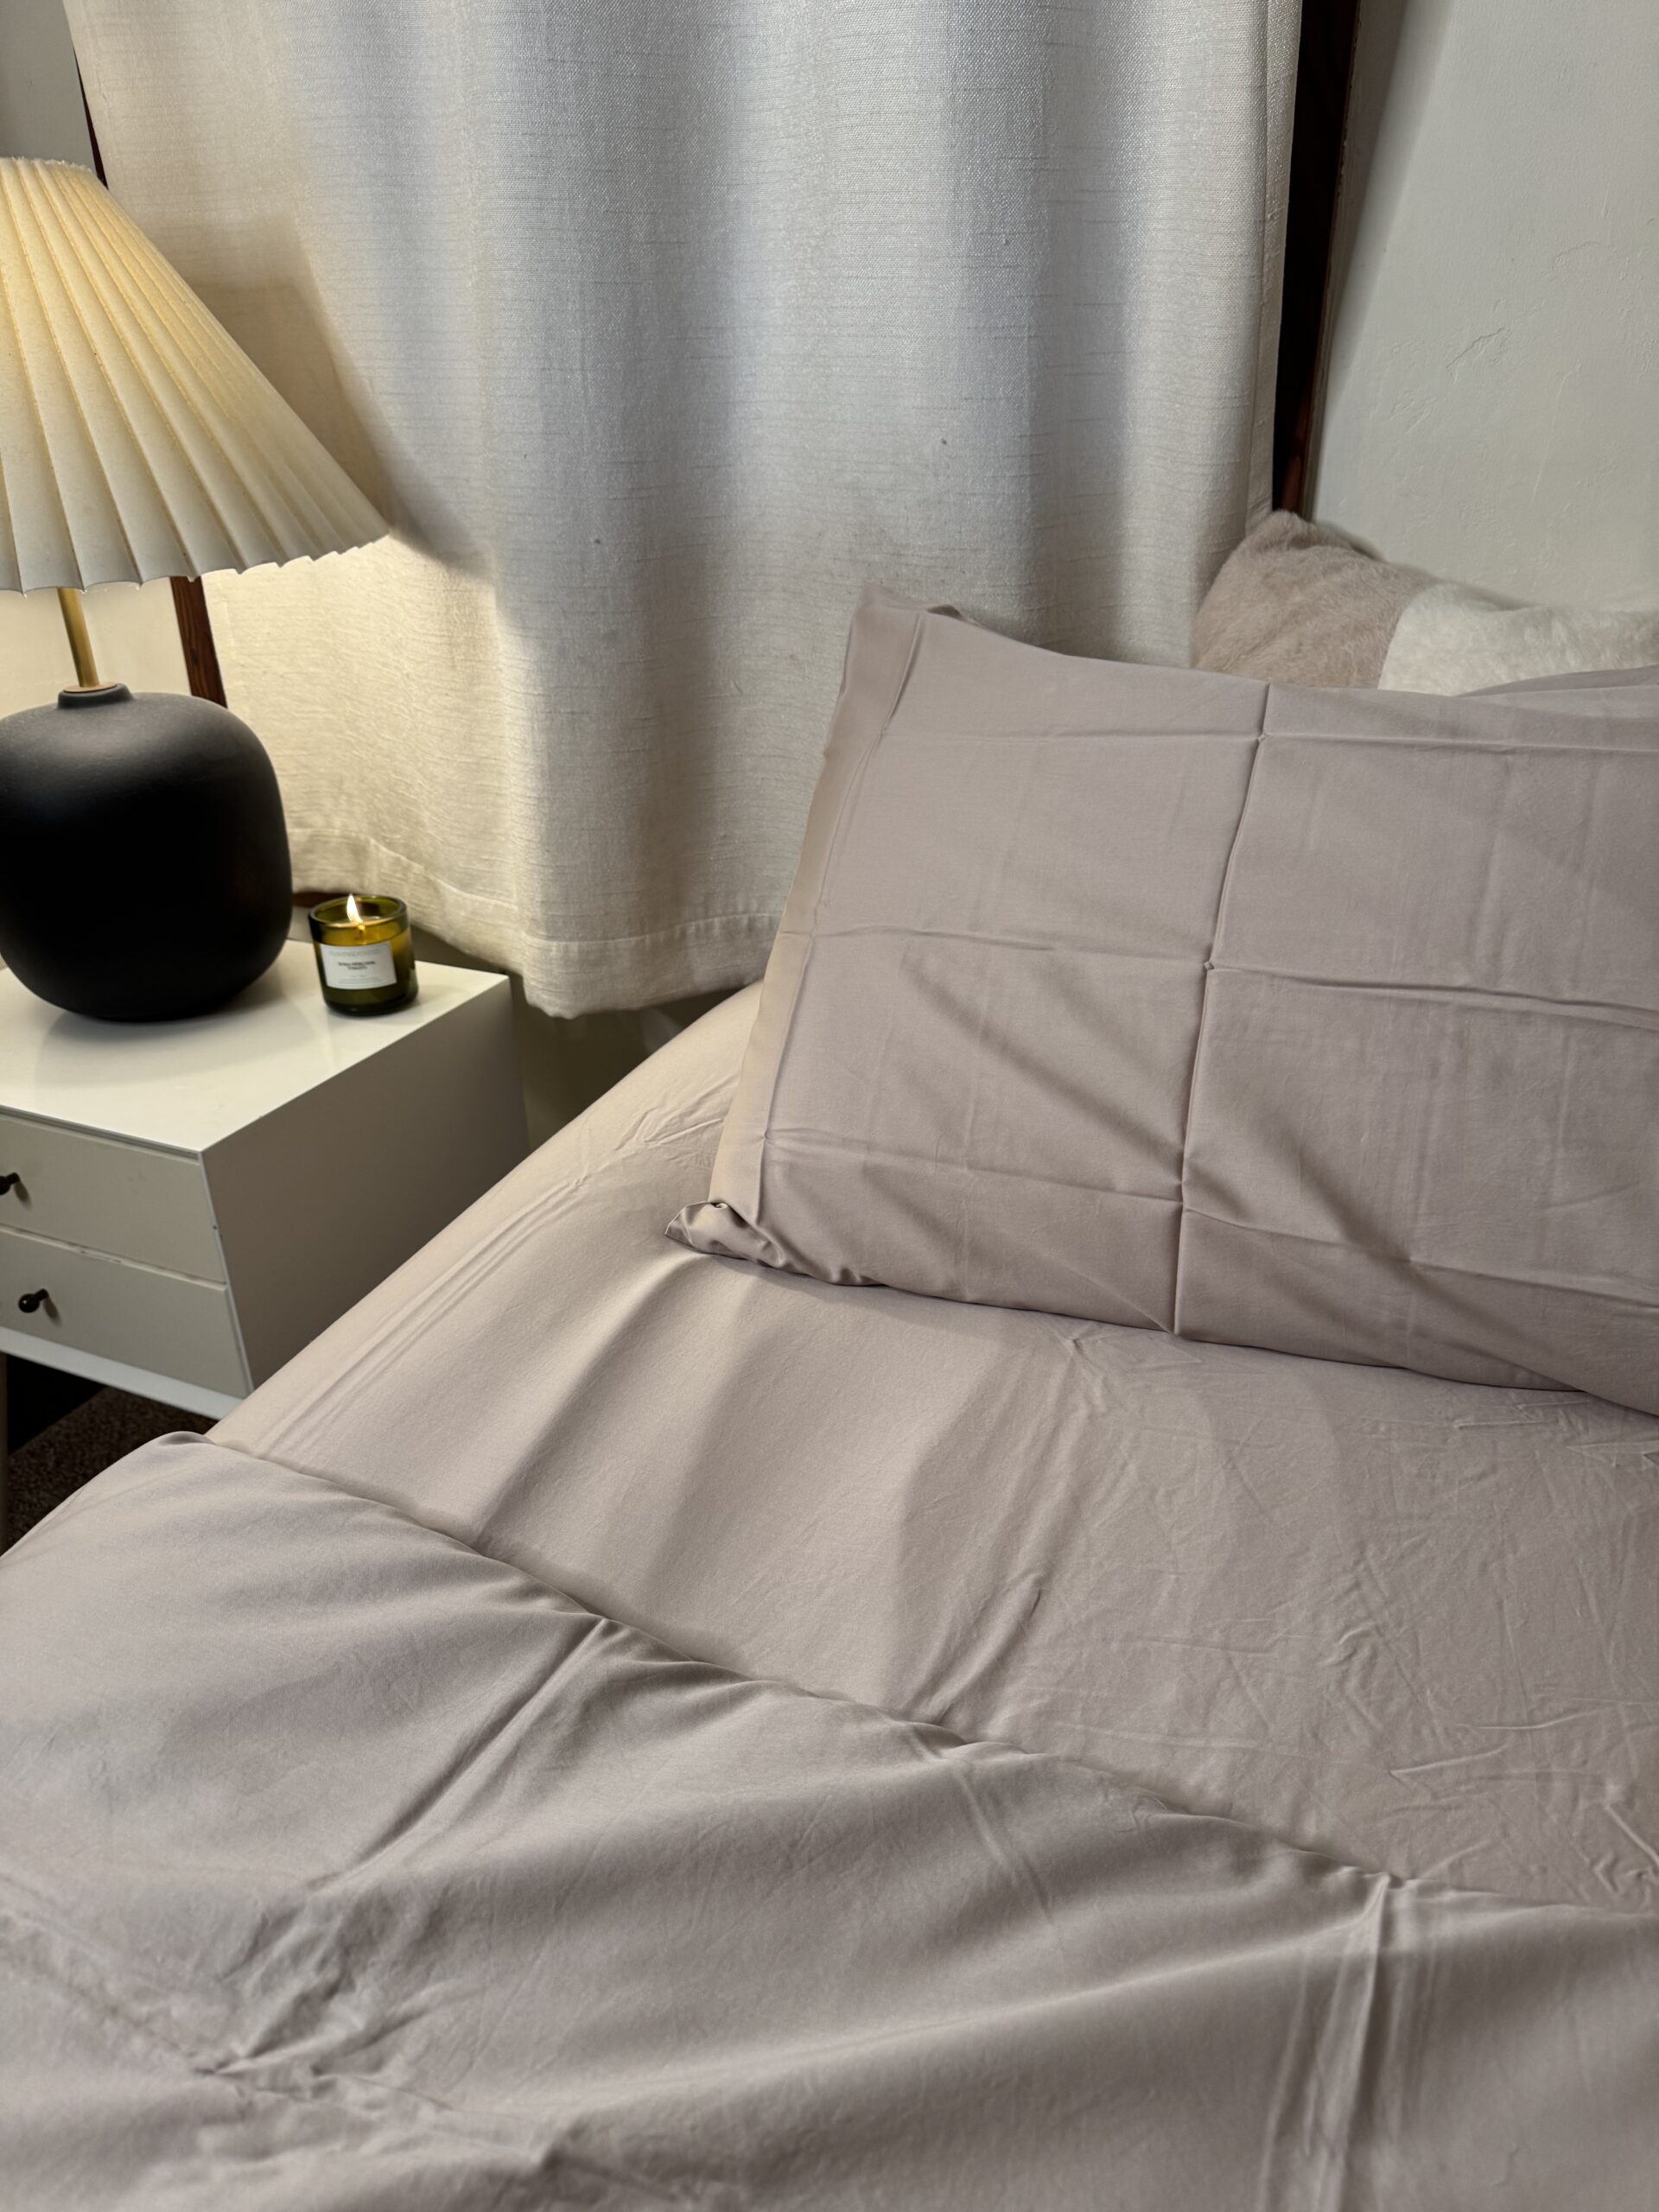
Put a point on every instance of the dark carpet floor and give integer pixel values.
(46, 1469)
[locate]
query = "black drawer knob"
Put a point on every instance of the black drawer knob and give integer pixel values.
(32, 1300)
(10, 1182)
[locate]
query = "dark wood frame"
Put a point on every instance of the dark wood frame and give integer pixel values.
(1325, 73)
(196, 636)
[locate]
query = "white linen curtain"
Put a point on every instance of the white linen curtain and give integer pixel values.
(660, 326)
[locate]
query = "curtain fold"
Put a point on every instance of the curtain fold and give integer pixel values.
(660, 329)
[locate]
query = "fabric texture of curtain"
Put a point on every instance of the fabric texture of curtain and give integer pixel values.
(660, 327)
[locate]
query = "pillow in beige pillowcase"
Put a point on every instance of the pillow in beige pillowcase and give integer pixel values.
(1321, 1021)
(1298, 603)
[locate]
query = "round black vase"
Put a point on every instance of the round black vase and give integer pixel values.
(143, 857)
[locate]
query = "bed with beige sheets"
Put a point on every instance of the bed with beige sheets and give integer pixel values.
(611, 1725)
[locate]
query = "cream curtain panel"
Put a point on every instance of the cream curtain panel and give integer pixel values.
(659, 326)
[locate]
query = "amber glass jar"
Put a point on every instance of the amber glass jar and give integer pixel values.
(366, 961)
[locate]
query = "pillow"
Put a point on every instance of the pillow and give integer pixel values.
(1298, 603)
(1321, 1021)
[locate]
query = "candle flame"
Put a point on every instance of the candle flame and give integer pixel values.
(354, 912)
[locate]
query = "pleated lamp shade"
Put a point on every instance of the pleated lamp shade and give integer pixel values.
(137, 438)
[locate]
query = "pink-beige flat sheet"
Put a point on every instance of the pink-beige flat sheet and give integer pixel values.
(609, 1726)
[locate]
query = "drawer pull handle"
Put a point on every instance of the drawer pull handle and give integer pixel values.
(32, 1300)
(10, 1183)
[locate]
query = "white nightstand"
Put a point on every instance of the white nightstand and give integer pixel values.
(198, 1200)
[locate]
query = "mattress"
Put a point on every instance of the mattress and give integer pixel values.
(609, 1726)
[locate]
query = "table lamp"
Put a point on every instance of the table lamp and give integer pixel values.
(144, 856)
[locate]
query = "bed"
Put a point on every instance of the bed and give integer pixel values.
(610, 1725)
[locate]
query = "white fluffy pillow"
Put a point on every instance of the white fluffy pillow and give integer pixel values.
(1450, 638)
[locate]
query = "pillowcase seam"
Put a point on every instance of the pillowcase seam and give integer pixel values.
(855, 785)
(1204, 1006)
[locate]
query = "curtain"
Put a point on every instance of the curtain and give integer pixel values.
(659, 326)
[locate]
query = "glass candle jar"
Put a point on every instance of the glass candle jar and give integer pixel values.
(366, 962)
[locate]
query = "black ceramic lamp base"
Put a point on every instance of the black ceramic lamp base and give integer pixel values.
(144, 858)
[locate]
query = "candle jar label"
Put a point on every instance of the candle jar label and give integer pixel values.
(357, 967)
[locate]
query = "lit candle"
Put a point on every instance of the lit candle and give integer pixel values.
(366, 961)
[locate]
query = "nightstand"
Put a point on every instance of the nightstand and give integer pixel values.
(184, 1204)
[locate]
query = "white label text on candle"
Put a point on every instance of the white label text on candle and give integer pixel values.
(358, 967)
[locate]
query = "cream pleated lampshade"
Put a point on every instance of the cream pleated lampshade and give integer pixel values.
(137, 438)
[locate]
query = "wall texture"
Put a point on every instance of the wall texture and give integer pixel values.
(135, 639)
(1490, 412)
(41, 113)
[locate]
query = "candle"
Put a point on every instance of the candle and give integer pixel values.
(366, 962)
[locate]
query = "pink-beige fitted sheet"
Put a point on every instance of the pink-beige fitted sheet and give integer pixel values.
(1411, 1622)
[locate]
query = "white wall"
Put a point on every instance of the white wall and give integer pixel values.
(1492, 409)
(41, 112)
(134, 639)
(134, 634)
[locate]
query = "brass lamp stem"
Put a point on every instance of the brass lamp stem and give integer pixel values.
(81, 645)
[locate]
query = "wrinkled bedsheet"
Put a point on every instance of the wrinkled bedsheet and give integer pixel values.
(1411, 1622)
(346, 1868)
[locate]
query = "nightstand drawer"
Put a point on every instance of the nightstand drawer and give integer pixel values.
(122, 1199)
(137, 1315)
